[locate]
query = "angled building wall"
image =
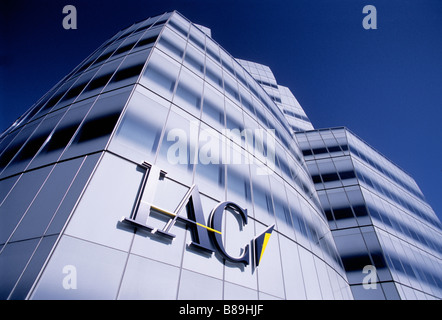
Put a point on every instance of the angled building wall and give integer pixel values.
(378, 217)
(110, 182)
(162, 167)
(281, 95)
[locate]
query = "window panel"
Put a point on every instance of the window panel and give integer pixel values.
(213, 108)
(234, 292)
(297, 218)
(89, 260)
(32, 270)
(262, 199)
(76, 89)
(179, 24)
(326, 289)
(282, 212)
(231, 87)
(214, 74)
(210, 169)
(161, 282)
(194, 60)
(148, 39)
(15, 146)
(178, 150)
(110, 195)
(234, 119)
(197, 37)
(108, 52)
(70, 199)
(13, 261)
(236, 238)
(44, 206)
(168, 195)
(54, 99)
(293, 277)
(195, 286)
(129, 71)
(270, 280)
(62, 134)
(161, 74)
(212, 50)
(139, 132)
(226, 62)
(6, 186)
(18, 200)
(94, 132)
(188, 94)
(5, 142)
(33, 144)
(100, 80)
(172, 44)
(238, 179)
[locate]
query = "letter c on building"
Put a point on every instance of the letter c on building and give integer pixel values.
(215, 221)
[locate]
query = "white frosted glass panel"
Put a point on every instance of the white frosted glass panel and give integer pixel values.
(139, 132)
(97, 270)
(161, 74)
(262, 200)
(178, 150)
(172, 44)
(159, 282)
(167, 196)
(312, 287)
(110, 195)
(213, 108)
(234, 292)
(210, 169)
(195, 286)
(70, 199)
(293, 277)
(194, 60)
(270, 270)
(188, 94)
(324, 281)
(236, 238)
(203, 262)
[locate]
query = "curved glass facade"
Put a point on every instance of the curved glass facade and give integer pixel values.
(164, 168)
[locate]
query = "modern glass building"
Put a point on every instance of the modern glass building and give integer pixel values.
(378, 217)
(162, 167)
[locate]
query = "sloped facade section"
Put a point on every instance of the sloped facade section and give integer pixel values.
(151, 134)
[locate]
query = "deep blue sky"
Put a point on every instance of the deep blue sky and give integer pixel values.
(385, 85)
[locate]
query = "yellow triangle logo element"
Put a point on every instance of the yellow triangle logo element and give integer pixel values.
(264, 245)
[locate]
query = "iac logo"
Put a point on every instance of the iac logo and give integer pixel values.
(205, 236)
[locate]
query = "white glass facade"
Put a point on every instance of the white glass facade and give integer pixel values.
(157, 169)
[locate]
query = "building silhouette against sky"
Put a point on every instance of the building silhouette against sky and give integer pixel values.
(162, 167)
